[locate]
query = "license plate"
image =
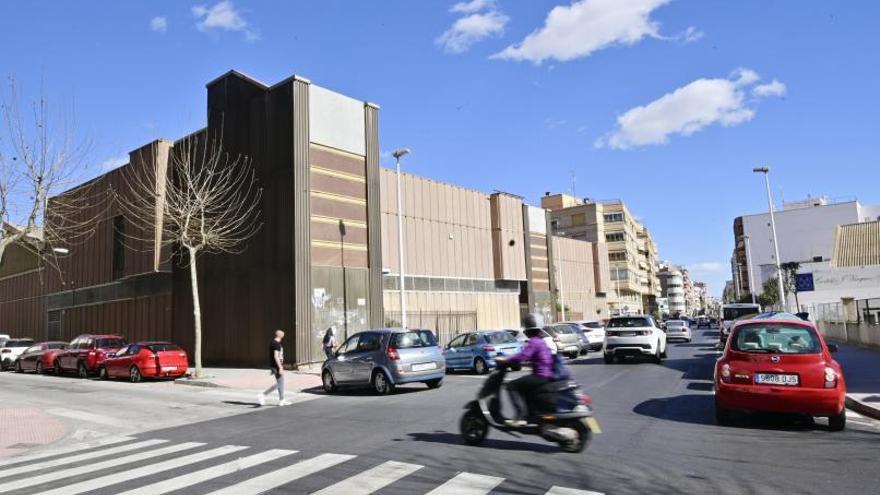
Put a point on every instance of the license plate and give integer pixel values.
(627, 334)
(424, 366)
(776, 379)
(169, 368)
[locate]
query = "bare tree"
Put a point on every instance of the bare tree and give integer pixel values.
(207, 201)
(39, 160)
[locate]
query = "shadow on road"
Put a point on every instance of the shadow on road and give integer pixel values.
(696, 409)
(365, 392)
(241, 403)
(489, 443)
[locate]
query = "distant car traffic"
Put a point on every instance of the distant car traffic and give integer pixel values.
(779, 364)
(39, 357)
(383, 359)
(703, 322)
(85, 354)
(11, 350)
(565, 335)
(678, 329)
(477, 351)
(633, 336)
(145, 360)
(521, 337)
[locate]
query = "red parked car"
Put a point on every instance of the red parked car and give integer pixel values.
(39, 357)
(85, 354)
(145, 360)
(779, 364)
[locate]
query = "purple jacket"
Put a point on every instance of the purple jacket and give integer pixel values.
(538, 355)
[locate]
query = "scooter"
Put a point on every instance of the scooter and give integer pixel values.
(570, 423)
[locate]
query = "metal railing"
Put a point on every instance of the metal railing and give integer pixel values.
(444, 324)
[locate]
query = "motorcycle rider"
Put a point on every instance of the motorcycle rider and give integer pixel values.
(540, 358)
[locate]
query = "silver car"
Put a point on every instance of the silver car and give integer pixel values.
(565, 335)
(385, 358)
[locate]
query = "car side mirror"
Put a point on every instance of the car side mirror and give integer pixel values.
(833, 348)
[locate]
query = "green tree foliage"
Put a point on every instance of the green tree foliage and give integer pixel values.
(770, 295)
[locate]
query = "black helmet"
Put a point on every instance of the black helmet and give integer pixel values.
(533, 320)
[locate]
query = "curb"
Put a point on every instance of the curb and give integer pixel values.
(862, 408)
(198, 383)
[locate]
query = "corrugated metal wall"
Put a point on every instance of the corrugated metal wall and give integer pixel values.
(301, 223)
(374, 215)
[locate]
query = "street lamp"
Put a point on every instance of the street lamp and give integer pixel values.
(749, 267)
(398, 154)
(766, 172)
(58, 250)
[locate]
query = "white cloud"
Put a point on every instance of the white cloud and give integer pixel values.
(471, 29)
(708, 267)
(113, 162)
(472, 6)
(225, 17)
(554, 123)
(685, 111)
(159, 24)
(773, 88)
(586, 26)
(691, 34)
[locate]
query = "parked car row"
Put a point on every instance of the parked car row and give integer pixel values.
(107, 356)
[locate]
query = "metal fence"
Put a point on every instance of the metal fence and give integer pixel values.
(445, 324)
(832, 312)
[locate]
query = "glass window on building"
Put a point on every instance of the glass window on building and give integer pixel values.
(614, 237)
(613, 217)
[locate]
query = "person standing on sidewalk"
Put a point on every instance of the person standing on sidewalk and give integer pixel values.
(276, 366)
(329, 342)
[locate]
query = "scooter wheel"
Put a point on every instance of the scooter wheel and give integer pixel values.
(579, 443)
(474, 427)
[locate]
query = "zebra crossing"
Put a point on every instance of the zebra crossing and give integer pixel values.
(131, 466)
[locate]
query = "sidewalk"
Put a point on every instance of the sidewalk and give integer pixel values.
(861, 368)
(253, 379)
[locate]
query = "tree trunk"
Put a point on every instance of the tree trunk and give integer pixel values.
(197, 312)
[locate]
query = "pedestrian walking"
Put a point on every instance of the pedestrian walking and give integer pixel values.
(276, 367)
(329, 342)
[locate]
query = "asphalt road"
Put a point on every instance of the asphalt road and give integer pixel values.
(659, 437)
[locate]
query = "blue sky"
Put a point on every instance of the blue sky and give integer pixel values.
(666, 104)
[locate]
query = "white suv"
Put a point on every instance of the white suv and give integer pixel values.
(634, 336)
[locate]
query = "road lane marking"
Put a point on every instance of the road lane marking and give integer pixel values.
(91, 468)
(112, 479)
(100, 442)
(210, 473)
(284, 475)
(467, 484)
(371, 480)
(558, 490)
(87, 416)
(76, 458)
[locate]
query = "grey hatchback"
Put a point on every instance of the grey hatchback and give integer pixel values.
(385, 358)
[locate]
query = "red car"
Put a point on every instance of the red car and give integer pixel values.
(145, 360)
(85, 354)
(39, 357)
(779, 364)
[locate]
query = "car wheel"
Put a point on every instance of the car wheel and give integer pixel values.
(723, 416)
(57, 368)
(134, 374)
(434, 383)
(663, 354)
(81, 370)
(838, 421)
(381, 384)
(102, 373)
(328, 382)
(473, 427)
(38, 368)
(609, 358)
(658, 356)
(580, 443)
(480, 367)
(18, 367)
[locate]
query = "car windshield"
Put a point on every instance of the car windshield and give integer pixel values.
(110, 343)
(628, 323)
(56, 345)
(20, 343)
(499, 338)
(593, 324)
(415, 338)
(563, 329)
(162, 346)
(776, 339)
(735, 313)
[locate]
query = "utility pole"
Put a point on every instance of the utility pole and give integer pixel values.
(766, 172)
(398, 153)
(751, 275)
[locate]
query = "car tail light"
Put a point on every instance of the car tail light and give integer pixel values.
(489, 348)
(4, 351)
(91, 353)
(586, 400)
(725, 373)
(830, 378)
(392, 354)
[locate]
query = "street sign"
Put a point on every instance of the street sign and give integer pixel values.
(803, 282)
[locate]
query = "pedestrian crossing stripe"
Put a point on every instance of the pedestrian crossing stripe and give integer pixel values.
(148, 458)
(101, 442)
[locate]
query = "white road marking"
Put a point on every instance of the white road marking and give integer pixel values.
(190, 479)
(112, 479)
(76, 458)
(100, 442)
(467, 484)
(91, 468)
(371, 480)
(284, 475)
(558, 490)
(87, 416)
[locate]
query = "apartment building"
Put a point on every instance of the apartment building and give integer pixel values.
(632, 252)
(672, 288)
